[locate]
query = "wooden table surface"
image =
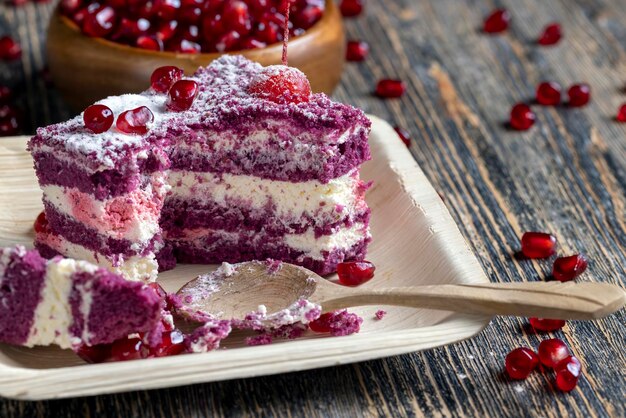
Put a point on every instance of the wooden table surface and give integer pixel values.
(566, 175)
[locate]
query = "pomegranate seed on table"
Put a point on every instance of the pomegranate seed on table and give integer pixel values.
(579, 94)
(350, 8)
(522, 117)
(322, 324)
(100, 23)
(549, 93)
(497, 21)
(163, 77)
(552, 351)
(98, 118)
(388, 88)
(280, 83)
(10, 50)
(127, 349)
(354, 273)
(404, 135)
(538, 244)
(568, 268)
(182, 94)
(357, 50)
(567, 373)
(135, 121)
(520, 362)
(546, 325)
(621, 113)
(551, 35)
(149, 42)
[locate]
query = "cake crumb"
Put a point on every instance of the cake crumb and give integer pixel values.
(262, 339)
(380, 314)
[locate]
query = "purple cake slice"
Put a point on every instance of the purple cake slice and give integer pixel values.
(235, 177)
(68, 303)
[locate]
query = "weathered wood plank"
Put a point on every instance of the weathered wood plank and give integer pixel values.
(566, 175)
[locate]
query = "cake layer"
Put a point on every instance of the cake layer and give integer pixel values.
(68, 302)
(319, 254)
(282, 151)
(133, 216)
(232, 202)
(135, 267)
(217, 248)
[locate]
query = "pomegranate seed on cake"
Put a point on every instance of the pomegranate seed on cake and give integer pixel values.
(250, 174)
(69, 303)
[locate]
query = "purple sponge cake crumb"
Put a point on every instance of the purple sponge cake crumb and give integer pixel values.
(22, 276)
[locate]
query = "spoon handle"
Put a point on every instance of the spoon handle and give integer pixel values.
(553, 300)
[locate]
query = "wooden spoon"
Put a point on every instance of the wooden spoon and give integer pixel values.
(245, 286)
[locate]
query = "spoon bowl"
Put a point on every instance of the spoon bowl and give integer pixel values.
(234, 291)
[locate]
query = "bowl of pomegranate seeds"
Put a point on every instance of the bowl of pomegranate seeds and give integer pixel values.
(108, 47)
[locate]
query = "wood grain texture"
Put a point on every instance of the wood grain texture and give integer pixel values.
(566, 175)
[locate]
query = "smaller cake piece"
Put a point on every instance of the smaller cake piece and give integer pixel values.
(68, 302)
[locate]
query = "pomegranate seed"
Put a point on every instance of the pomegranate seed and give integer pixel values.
(184, 46)
(568, 268)
(149, 42)
(95, 354)
(387, 88)
(100, 23)
(130, 29)
(308, 16)
(166, 30)
(251, 43)
(7, 111)
(182, 95)
(567, 373)
(621, 113)
(522, 117)
(5, 94)
(357, 50)
(280, 83)
(9, 125)
(404, 135)
(351, 8)
(552, 351)
(163, 77)
(212, 27)
(549, 93)
(98, 118)
(579, 94)
(354, 273)
(538, 244)
(135, 121)
(41, 224)
(497, 21)
(172, 343)
(190, 15)
(70, 6)
(10, 50)
(268, 32)
(322, 324)
(128, 349)
(520, 362)
(546, 325)
(166, 9)
(236, 17)
(551, 34)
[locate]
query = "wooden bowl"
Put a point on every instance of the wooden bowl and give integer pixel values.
(88, 69)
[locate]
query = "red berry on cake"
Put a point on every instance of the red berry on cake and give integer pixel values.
(163, 77)
(135, 121)
(182, 95)
(281, 84)
(98, 118)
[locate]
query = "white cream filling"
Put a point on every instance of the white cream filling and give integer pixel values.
(53, 315)
(292, 200)
(136, 268)
(342, 238)
(140, 227)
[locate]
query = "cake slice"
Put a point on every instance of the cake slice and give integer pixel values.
(69, 303)
(246, 168)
